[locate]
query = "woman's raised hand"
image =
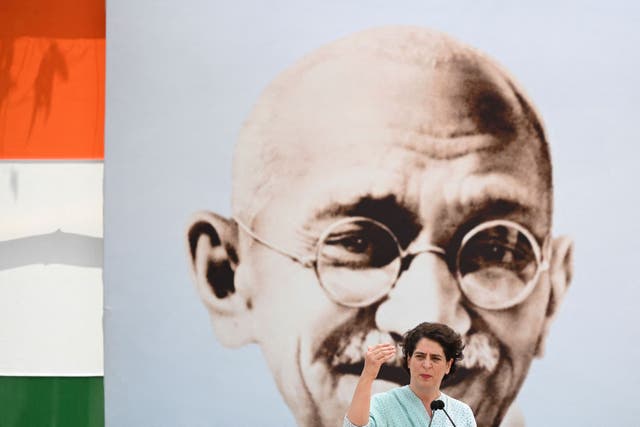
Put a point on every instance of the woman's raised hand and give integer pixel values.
(375, 357)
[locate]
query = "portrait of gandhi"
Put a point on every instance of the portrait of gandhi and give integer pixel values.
(391, 177)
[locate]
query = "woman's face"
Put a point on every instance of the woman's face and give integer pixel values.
(428, 365)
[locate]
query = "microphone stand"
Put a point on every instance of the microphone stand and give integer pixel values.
(431, 420)
(447, 414)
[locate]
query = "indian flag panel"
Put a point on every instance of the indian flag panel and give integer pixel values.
(52, 66)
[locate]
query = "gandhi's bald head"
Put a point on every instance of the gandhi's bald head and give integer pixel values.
(407, 86)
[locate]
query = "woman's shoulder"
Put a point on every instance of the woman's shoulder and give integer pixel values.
(392, 395)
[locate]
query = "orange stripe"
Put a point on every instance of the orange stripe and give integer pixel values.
(52, 70)
(52, 99)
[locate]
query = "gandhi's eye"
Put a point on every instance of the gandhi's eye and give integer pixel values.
(358, 244)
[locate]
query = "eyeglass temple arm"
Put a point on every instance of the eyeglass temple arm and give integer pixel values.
(305, 261)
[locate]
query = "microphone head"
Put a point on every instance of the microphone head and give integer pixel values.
(437, 404)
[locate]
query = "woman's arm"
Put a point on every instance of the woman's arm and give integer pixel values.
(358, 412)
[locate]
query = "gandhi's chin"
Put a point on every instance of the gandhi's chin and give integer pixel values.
(330, 392)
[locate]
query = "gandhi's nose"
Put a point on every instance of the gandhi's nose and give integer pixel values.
(425, 292)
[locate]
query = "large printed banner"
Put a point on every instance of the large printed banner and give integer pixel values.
(289, 184)
(51, 149)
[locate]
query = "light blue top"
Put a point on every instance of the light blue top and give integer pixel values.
(400, 407)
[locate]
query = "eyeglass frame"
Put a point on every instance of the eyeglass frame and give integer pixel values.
(403, 254)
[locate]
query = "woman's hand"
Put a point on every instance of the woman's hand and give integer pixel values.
(375, 357)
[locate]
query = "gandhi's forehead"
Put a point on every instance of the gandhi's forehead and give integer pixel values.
(397, 91)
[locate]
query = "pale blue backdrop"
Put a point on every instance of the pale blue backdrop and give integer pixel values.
(183, 74)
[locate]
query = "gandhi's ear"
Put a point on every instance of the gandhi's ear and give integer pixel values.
(212, 245)
(560, 275)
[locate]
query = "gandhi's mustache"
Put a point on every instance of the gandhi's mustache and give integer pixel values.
(481, 350)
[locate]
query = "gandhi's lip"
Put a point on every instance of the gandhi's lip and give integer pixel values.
(391, 373)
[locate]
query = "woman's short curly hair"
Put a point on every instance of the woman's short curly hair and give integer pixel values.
(450, 341)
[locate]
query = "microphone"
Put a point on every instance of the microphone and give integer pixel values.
(439, 404)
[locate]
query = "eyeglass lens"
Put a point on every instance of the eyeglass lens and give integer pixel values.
(358, 261)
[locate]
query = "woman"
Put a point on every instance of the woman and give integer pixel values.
(430, 352)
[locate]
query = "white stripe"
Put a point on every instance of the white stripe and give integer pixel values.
(51, 321)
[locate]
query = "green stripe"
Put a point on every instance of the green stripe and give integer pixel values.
(51, 402)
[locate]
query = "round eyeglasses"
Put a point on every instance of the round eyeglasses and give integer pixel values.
(358, 261)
